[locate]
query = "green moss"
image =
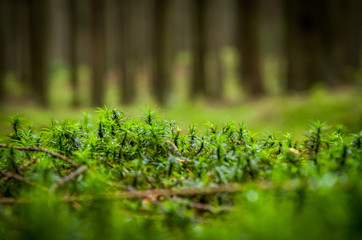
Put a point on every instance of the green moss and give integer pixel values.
(287, 187)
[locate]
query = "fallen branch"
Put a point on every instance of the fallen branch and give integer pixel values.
(149, 194)
(38, 149)
(9, 175)
(155, 193)
(11, 200)
(202, 207)
(27, 164)
(67, 178)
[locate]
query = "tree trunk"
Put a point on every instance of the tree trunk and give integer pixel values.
(39, 50)
(198, 84)
(218, 36)
(219, 93)
(352, 35)
(127, 86)
(22, 43)
(2, 51)
(309, 43)
(249, 49)
(73, 50)
(98, 55)
(161, 78)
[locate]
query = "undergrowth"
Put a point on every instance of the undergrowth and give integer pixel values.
(137, 178)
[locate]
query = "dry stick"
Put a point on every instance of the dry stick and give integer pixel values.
(209, 208)
(155, 193)
(203, 207)
(180, 192)
(38, 149)
(16, 176)
(9, 175)
(10, 200)
(5, 179)
(67, 178)
(27, 164)
(150, 194)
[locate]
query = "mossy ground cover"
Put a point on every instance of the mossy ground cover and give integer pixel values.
(283, 114)
(120, 177)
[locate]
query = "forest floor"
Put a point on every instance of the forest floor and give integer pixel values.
(119, 177)
(274, 113)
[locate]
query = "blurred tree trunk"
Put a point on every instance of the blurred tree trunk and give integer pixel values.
(98, 48)
(352, 35)
(218, 36)
(127, 86)
(345, 35)
(161, 76)
(198, 84)
(219, 76)
(309, 43)
(73, 50)
(249, 48)
(39, 50)
(22, 43)
(2, 50)
(11, 32)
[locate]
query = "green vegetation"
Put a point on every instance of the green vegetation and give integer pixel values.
(274, 113)
(121, 177)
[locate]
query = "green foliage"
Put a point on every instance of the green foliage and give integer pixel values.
(288, 188)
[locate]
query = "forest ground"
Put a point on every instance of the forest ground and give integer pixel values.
(273, 113)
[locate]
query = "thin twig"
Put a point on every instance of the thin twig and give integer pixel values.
(38, 149)
(67, 178)
(9, 175)
(180, 191)
(202, 207)
(11, 200)
(156, 193)
(150, 194)
(27, 164)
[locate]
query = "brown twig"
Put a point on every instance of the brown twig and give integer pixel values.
(27, 164)
(230, 188)
(9, 175)
(149, 194)
(38, 149)
(202, 207)
(67, 178)
(10, 200)
(154, 194)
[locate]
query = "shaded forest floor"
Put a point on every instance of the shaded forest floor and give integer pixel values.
(273, 113)
(116, 177)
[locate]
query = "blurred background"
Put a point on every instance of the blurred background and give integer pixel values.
(275, 64)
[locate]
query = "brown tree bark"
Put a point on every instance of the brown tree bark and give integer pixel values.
(198, 83)
(309, 43)
(161, 78)
(73, 50)
(218, 37)
(249, 48)
(352, 35)
(22, 42)
(127, 83)
(39, 10)
(98, 55)
(2, 51)
(219, 92)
